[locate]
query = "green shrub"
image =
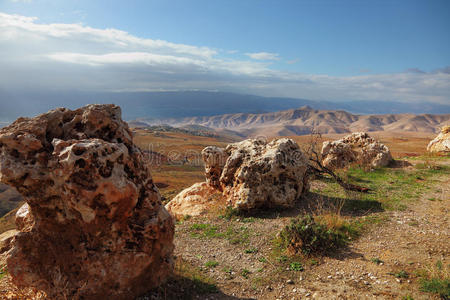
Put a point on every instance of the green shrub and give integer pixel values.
(305, 235)
(245, 273)
(436, 285)
(230, 213)
(251, 250)
(211, 264)
(296, 266)
(436, 279)
(376, 260)
(402, 274)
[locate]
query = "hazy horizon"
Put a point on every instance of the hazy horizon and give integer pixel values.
(317, 50)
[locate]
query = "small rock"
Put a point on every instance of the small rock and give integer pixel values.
(289, 281)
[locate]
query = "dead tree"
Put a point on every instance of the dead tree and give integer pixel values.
(317, 169)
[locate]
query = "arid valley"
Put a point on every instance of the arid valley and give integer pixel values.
(396, 235)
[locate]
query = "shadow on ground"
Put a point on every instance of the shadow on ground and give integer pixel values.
(314, 203)
(182, 288)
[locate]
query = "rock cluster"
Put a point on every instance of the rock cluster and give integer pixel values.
(358, 148)
(441, 144)
(249, 174)
(93, 225)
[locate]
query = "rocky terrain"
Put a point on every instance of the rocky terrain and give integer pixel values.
(399, 236)
(303, 120)
(250, 174)
(93, 225)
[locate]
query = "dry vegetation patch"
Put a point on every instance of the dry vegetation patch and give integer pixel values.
(388, 241)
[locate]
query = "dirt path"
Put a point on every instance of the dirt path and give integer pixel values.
(382, 264)
(411, 240)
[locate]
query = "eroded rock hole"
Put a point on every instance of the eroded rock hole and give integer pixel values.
(79, 151)
(80, 163)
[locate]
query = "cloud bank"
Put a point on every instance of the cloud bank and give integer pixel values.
(263, 56)
(78, 57)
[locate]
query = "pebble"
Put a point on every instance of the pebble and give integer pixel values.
(289, 281)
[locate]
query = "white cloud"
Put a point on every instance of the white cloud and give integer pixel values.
(293, 61)
(263, 56)
(78, 57)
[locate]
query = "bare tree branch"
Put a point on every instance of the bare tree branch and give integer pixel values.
(317, 169)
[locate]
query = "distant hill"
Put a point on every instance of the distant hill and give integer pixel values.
(9, 199)
(161, 105)
(301, 121)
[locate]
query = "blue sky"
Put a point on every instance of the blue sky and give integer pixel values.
(333, 50)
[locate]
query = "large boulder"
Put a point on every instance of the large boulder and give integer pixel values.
(357, 148)
(441, 144)
(261, 174)
(246, 175)
(94, 225)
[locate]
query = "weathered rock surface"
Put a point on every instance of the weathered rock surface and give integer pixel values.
(441, 144)
(358, 148)
(94, 226)
(214, 159)
(193, 201)
(260, 174)
(249, 174)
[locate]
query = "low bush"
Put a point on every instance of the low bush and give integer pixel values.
(307, 236)
(436, 279)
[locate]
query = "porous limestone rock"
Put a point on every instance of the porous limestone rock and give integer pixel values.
(94, 226)
(358, 148)
(193, 201)
(441, 144)
(249, 174)
(214, 159)
(261, 174)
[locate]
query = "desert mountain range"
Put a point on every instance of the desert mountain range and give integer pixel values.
(303, 120)
(185, 104)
